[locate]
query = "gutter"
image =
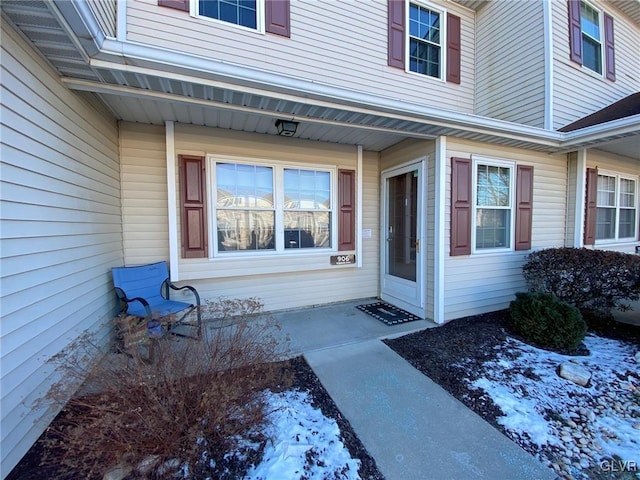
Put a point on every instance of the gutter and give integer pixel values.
(133, 57)
(78, 19)
(622, 127)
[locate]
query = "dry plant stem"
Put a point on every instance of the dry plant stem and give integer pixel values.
(196, 396)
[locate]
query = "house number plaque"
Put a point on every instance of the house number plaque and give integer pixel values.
(343, 259)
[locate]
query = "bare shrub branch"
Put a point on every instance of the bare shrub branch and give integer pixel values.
(191, 403)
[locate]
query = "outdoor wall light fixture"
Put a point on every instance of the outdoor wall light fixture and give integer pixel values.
(286, 128)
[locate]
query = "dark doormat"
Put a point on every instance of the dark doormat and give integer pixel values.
(387, 314)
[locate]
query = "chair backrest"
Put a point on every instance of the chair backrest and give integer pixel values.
(142, 281)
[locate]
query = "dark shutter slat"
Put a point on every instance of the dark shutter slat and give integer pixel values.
(460, 206)
(347, 210)
(609, 50)
(193, 206)
(453, 48)
(278, 17)
(591, 206)
(395, 54)
(575, 32)
(177, 4)
(524, 207)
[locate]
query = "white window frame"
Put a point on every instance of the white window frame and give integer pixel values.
(278, 192)
(443, 38)
(493, 162)
(601, 41)
(618, 177)
(194, 11)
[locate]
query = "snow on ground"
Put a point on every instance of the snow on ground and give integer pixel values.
(304, 443)
(574, 429)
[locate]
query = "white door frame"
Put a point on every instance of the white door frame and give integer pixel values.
(401, 292)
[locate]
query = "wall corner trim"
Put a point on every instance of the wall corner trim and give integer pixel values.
(172, 202)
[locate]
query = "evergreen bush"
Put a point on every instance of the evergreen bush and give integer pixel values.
(543, 320)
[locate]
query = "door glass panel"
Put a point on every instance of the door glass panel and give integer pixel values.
(402, 225)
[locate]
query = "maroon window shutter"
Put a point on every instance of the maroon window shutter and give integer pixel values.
(177, 4)
(453, 48)
(396, 33)
(347, 210)
(277, 16)
(575, 32)
(609, 50)
(524, 206)
(591, 206)
(460, 206)
(193, 214)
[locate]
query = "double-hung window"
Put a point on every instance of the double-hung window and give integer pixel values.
(493, 205)
(425, 40)
(272, 207)
(246, 13)
(592, 38)
(590, 25)
(617, 208)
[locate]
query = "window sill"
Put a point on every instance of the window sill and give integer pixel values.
(617, 244)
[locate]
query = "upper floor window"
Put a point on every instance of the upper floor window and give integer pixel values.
(245, 13)
(591, 37)
(271, 16)
(617, 208)
(425, 41)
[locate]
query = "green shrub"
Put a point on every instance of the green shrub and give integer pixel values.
(542, 319)
(592, 280)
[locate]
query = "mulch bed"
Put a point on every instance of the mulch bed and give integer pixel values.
(31, 466)
(450, 354)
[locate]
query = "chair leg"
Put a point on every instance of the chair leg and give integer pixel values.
(178, 322)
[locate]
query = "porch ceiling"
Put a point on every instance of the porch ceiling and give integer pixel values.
(152, 92)
(145, 110)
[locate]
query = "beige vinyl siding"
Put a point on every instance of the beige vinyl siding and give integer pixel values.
(105, 12)
(295, 280)
(143, 171)
(342, 44)
(510, 62)
(595, 92)
(61, 232)
(479, 283)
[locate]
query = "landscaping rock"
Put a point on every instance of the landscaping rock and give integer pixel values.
(637, 357)
(146, 465)
(119, 472)
(575, 373)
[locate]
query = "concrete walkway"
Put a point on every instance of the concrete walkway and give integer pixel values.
(411, 426)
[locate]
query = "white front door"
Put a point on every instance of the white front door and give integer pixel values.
(402, 266)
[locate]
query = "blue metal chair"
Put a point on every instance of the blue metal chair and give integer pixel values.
(143, 291)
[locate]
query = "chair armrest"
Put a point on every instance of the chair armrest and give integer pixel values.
(123, 298)
(189, 287)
